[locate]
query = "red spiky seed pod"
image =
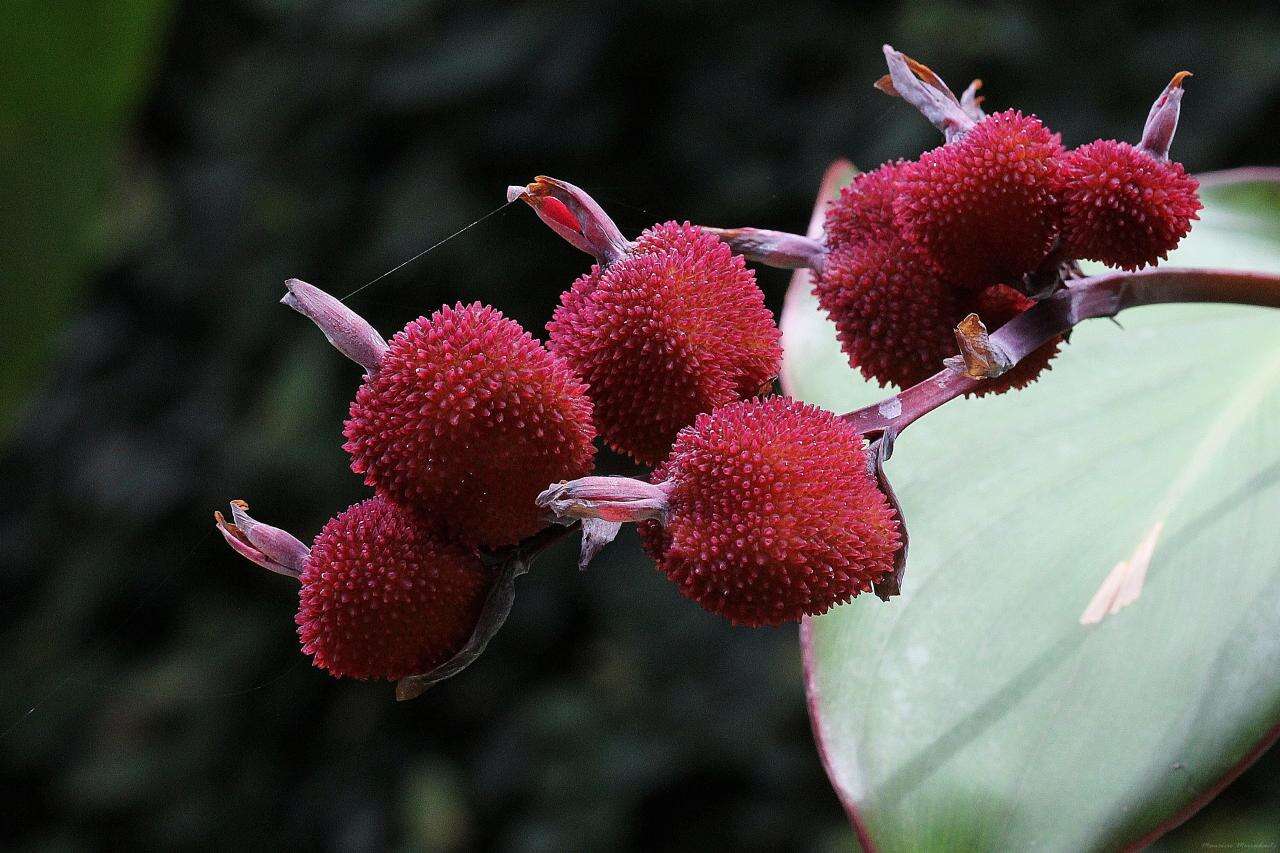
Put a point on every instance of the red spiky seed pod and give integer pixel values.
(674, 327)
(381, 598)
(864, 209)
(893, 315)
(466, 419)
(771, 513)
(1123, 207)
(995, 306)
(983, 206)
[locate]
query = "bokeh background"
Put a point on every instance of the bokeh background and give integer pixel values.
(165, 166)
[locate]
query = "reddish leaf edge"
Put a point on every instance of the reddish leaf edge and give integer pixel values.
(837, 174)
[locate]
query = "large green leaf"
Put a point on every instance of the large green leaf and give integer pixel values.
(976, 710)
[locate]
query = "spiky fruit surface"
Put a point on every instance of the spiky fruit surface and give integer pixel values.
(382, 598)
(983, 207)
(1123, 207)
(466, 420)
(893, 315)
(892, 312)
(863, 212)
(675, 328)
(773, 513)
(996, 306)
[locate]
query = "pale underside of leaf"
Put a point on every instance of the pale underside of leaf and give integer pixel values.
(975, 711)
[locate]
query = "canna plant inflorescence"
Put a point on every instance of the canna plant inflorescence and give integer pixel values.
(953, 274)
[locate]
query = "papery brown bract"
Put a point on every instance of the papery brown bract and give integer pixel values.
(983, 206)
(466, 420)
(674, 328)
(1123, 207)
(382, 597)
(773, 513)
(995, 306)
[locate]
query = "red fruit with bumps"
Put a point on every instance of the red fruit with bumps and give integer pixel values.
(673, 328)
(893, 315)
(983, 206)
(772, 513)
(465, 420)
(1122, 206)
(863, 212)
(383, 598)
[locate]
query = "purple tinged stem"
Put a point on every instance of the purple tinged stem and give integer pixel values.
(1082, 299)
(774, 248)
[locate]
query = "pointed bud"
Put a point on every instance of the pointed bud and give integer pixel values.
(618, 499)
(575, 216)
(267, 546)
(1162, 120)
(349, 333)
(918, 85)
(773, 248)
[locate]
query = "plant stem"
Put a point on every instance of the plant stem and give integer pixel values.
(1082, 299)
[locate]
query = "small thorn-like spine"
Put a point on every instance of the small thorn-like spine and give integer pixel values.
(1162, 120)
(270, 547)
(347, 331)
(773, 248)
(574, 215)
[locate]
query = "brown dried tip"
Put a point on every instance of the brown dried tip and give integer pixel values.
(918, 85)
(1162, 120)
(978, 359)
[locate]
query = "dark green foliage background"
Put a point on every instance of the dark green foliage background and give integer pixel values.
(165, 169)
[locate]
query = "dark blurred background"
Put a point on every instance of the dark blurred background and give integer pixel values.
(164, 167)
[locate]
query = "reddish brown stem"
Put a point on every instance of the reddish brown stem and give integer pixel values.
(1083, 299)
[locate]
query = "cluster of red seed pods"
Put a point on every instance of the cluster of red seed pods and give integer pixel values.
(474, 435)
(984, 222)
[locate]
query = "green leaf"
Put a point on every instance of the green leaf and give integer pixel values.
(73, 73)
(976, 710)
